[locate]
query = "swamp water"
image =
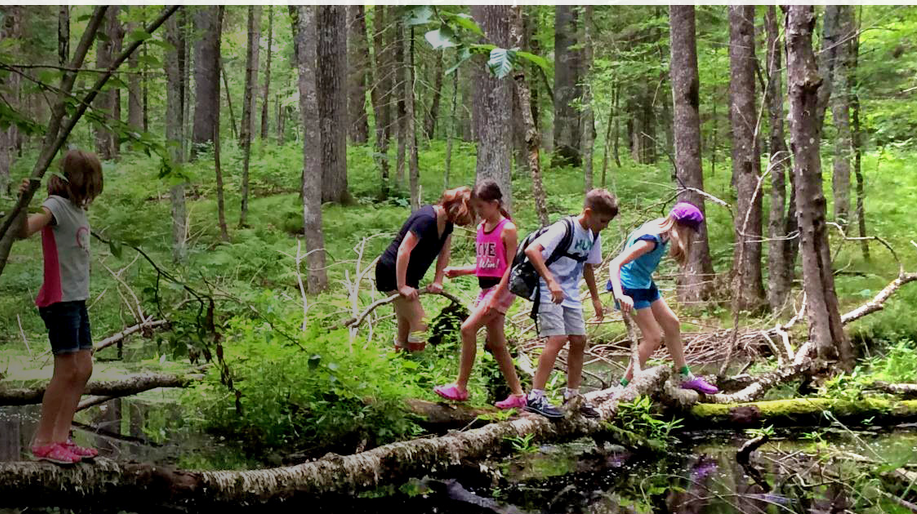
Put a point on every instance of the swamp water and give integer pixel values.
(797, 471)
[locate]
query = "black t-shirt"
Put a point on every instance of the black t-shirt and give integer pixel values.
(422, 223)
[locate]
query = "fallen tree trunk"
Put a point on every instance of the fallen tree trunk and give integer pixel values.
(908, 391)
(120, 336)
(803, 412)
(32, 483)
(112, 388)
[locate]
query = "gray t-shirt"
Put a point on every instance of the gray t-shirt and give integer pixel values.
(568, 272)
(65, 245)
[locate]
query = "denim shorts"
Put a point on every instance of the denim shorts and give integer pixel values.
(68, 326)
(643, 298)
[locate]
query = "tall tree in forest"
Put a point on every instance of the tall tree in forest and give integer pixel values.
(232, 114)
(840, 113)
(252, 49)
(429, 122)
(779, 266)
(746, 164)
(567, 89)
(695, 283)
(331, 23)
(105, 101)
(208, 21)
(857, 134)
(357, 69)
(116, 33)
(825, 327)
(306, 52)
(63, 35)
(134, 93)
(399, 66)
(10, 30)
(493, 104)
(173, 119)
(587, 116)
(410, 129)
(266, 90)
(532, 135)
(827, 57)
(381, 95)
(218, 169)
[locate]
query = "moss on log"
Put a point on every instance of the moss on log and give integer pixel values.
(804, 411)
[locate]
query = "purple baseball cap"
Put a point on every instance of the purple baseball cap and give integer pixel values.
(688, 214)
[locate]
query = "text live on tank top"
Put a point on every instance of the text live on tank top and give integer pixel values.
(491, 255)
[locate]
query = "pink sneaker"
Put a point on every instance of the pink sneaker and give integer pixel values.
(512, 402)
(57, 453)
(83, 453)
(451, 392)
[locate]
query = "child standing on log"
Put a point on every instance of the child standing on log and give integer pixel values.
(62, 299)
(496, 244)
(560, 312)
(631, 281)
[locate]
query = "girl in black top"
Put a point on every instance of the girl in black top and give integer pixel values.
(426, 235)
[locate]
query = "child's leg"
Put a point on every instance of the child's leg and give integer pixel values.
(575, 361)
(71, 398)
(411, 314)
(497, 341)
(469, 332)
(58, 394)
(671, 327)
(652, 337)
(546, 362)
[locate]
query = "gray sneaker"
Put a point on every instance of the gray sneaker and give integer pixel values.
(541, 405)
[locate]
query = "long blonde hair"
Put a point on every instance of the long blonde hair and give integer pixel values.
(681, 242)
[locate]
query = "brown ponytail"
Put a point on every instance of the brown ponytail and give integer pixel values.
(489, 191)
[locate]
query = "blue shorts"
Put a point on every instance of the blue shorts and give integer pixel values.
(643, 298)
(68, 327)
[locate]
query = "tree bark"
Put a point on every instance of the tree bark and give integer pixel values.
(174, 135)
(126, 387)
(532, 135)
(825, 327)
(357, 69)
(804, 412)
(232, 115)
(63, 35)
(105, 101)
(453, 123)
(695, 283)
(840, 113)
(134, 107)
(827, 57)
(780, 271)
(587, 116)
(746, 163)
(567, 70)
(493, 105)
(145, 92)
(10, 30)
(305, 39)
(253, 47)
(183, 56)
(429, 122)
(266, 92)
(382, 95)
(858, 139)
(218, 170)
(332, 101)
(398, 86)
(409, 125)
(207, 23)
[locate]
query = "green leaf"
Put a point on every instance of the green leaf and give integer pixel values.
(441, 38)
(501, 62)
(116, 250)
(314, 361)
(418, 15)
(536, 59)
(466, 22)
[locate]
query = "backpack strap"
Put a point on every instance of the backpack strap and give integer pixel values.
(563, 247)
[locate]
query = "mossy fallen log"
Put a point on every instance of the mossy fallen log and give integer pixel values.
(111, 388)
(803, 412)
(36, 483)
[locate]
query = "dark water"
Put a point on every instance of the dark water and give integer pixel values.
(699, 473)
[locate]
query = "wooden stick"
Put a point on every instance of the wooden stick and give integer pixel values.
(24, 339)
(356, 322)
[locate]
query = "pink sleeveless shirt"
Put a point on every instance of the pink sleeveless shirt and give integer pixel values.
(491, 262)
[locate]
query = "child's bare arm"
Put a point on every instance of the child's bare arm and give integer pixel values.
(441, 263)
(589, 277)
(533, 252)
(28, 225)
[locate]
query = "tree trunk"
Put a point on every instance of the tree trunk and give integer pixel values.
(532, 135)
(104, 104)
(232, 115)
(134, 107)
(281, 120)
(567, 89)
(410, 119)
(746, 164)
(399, 68)
(174, 135)
(493, 105)
(145, 92)
(10, 30)
(827, 58)
(453, 123)
(218, 169)
(305, 39)
(780, 272)
(207, 23)
(184, 71)
(840, 113)
(117, 42)
(429, 122)
(63, 35)
(266, 92)
(132, 385)
(695, 284)
(825, 328)
(382, 95)
(357, 69)
(806, 412)
(858, 138)
(252, 47)
(332, 100)
(588, 117)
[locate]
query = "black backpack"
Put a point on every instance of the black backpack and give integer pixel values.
(523, 277)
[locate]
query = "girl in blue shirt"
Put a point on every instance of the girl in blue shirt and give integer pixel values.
(636, 294)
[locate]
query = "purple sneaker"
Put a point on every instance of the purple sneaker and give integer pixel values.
(700, 385)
